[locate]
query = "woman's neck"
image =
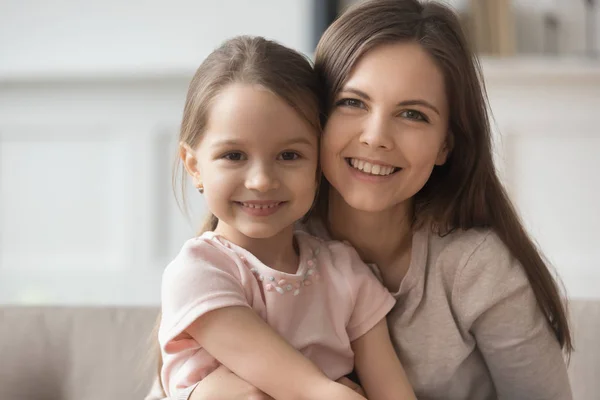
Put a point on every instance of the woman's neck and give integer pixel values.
(278, 252)
(379, 237)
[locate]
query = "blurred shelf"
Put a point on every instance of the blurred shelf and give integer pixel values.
(536, 70)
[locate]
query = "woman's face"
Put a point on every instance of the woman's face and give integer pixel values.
(387, 128)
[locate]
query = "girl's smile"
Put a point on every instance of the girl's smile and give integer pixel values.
(260, 208)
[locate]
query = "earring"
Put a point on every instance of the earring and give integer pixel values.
(200, 189)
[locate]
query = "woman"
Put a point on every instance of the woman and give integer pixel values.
(410, 182)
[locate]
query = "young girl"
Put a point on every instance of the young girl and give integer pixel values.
(285, 311)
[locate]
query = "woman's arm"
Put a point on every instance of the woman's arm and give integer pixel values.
(378, 367)
(495, 303)
(245, 344)
(222, 384)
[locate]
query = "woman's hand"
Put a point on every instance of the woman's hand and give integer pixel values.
(222, 384)
(352, 385)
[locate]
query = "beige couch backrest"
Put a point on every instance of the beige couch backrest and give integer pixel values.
(53, 353)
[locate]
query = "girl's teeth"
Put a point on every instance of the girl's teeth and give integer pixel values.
(260, 206)
(373, 169)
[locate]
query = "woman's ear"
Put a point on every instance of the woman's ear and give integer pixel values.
(445, 150)
(190, 162)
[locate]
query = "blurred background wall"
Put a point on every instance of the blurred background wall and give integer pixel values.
(91, 95)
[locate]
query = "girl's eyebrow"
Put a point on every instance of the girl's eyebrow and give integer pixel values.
(234, 142)
(415, 102)
(298, 140)
(226, 142)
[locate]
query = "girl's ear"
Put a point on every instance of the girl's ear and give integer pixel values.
(445, 150)
(190, 163)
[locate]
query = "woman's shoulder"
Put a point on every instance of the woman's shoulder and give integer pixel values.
(476, 264)
(475, 251)
(463, 245)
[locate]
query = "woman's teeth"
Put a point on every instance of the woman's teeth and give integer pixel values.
(369, 168)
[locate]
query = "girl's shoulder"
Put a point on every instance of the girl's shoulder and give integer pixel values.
(202, 250)
(201, 246)
(313, 226)
(333, 254)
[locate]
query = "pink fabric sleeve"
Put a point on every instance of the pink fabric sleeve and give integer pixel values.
(202, 278)
(372, 301)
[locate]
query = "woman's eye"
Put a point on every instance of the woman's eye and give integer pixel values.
(234, 156)
(354, 103)
(289, 156)
(414, 115)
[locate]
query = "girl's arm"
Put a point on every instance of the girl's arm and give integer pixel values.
(245, 344)
(378, 367)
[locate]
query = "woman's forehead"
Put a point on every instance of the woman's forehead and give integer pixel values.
(402, 68)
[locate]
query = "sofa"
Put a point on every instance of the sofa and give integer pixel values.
(101, 353)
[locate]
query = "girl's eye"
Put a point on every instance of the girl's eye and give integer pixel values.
(414, 115)
(354, 103)
(289, 156)
(234, 156)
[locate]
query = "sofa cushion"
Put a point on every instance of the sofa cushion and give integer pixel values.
(86, 353)
(66, 353)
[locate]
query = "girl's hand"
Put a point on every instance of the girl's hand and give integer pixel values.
(352, 385)
(222, 384)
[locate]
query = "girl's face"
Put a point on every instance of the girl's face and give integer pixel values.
(387, 129)
(257, 161)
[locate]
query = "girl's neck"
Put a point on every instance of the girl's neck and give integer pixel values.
(379, 237)
(278, 252)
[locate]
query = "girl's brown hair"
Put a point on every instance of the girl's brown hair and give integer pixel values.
(253, 61)
(465, 192)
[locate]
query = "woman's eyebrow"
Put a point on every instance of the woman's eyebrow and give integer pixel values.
(357, 92)
(418, 102)
(404, 103)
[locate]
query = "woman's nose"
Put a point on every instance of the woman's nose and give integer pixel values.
(378, 133)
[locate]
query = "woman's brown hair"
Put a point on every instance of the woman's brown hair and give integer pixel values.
(465, 192)
(253, 61)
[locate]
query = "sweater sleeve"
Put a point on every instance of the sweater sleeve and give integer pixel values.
(496, 304)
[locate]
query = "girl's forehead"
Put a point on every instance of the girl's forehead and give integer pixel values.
(251, 113)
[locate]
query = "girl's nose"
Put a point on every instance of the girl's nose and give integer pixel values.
(262, 178)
